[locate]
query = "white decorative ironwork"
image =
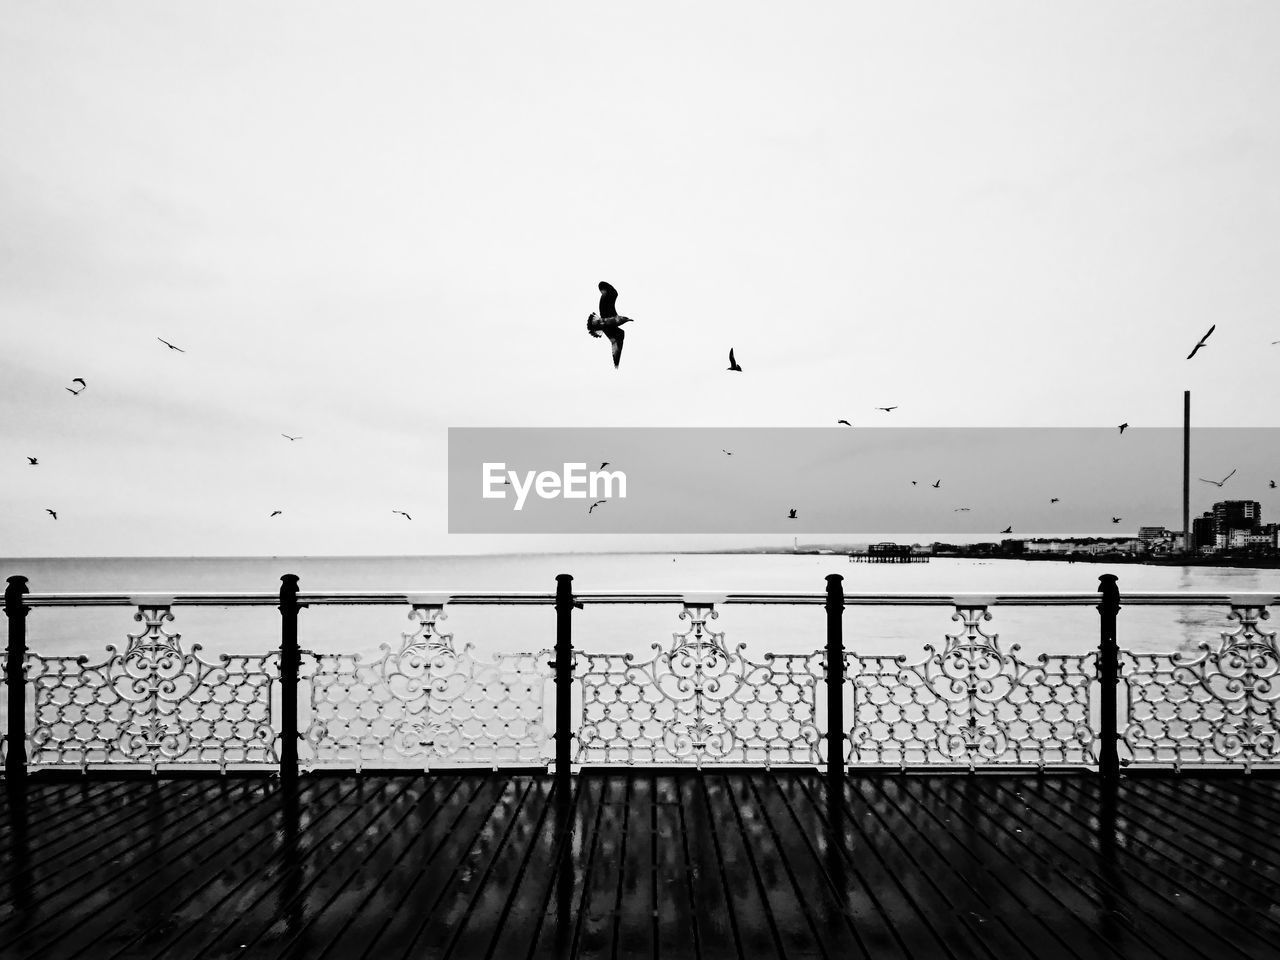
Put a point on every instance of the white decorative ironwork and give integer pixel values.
(971, 704)
(153, 704)
(698, 702)
(1219, 705)
(426, 704)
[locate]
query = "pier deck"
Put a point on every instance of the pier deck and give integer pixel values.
(653, 863)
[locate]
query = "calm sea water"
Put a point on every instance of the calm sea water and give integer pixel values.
(625, 628)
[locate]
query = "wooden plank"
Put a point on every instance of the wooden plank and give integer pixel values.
(434, 829)
(713, 908)
(1068, 839)
(433, 882)
(1018, 909)
(676, 928)
(1196, 908)
(462, 926)
(350, 865)
(920, 914)
(636, 906)
(597, 919)
(558, 931)
(757, 932)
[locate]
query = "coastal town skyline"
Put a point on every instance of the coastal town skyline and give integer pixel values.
(285, 257)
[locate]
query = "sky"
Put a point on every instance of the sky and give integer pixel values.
(366, 224)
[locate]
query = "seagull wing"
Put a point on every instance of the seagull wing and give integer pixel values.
(732, 362)
(1229, 476)
(616, 336)
(608, 301)
(79, 381)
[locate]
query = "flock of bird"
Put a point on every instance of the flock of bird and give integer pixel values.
(608, 323)
(34, 461)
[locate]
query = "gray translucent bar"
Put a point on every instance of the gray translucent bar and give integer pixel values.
(1028, 481)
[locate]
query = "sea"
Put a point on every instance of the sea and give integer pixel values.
(637, 629)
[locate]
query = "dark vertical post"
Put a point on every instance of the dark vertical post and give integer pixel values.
(1108, 676)
(15, 677)
(564, 680)
(835, 682)
(1187, 543)
(290, 659)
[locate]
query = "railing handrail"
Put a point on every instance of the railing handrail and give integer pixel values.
(467, 597)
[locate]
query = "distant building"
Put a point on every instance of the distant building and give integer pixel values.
(1204, 532)
(1237, 515)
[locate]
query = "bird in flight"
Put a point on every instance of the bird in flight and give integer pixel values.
(34, 462)
(937, 484)
(913, 483)
(608, 322)
(603, 465)
(76, 393)
(1116, 519)
(1218, 483)
(791, 514)
(275, 513)
(1273, 484)
(403, 514)
(733, 364)
(287, 437)
(1123, 427)
(1201, 343)
(51, 513)
(1053, 499)
(170, 345)
(727, 453)
(887, 409)
(596, 504)
(1008, 529)
(845, 422)
(960, 510)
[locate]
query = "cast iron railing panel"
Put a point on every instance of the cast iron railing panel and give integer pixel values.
(1217, 706)
(971, 704)
(698, 702)
(152, 704)
(426, 704)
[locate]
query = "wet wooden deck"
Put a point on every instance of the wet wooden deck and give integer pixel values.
(653, 865)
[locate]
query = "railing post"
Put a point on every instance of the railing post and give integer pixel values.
(290, 658)
(564, 679)
(835, 682)
(15, 676)
(1108, 677)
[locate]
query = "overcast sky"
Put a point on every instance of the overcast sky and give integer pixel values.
(366, 223)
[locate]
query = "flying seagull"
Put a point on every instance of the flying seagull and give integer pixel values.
(1123, 427)
(170, 345)
(596, 504)
(845, 422)
(1053, 499)
(727, 453)
(960, 510)
(1201, 343)
(603, 465)
(733, 364)
(887, 409)
(913, 483)
(937, 484)
(1116, 519)
(1218, 483)
(275, 513)
(1273, 484)
(403, 514)
(51, 513)
(1007, 530)
(607, 321)
(34, 462)
(76, 393)
(791, 514)
(287, 437)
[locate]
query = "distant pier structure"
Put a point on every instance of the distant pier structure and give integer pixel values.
(889, 553)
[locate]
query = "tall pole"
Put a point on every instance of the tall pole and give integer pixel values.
(1187, 544)
(15, 674)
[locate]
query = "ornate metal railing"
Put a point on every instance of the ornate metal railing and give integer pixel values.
(425, 701)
